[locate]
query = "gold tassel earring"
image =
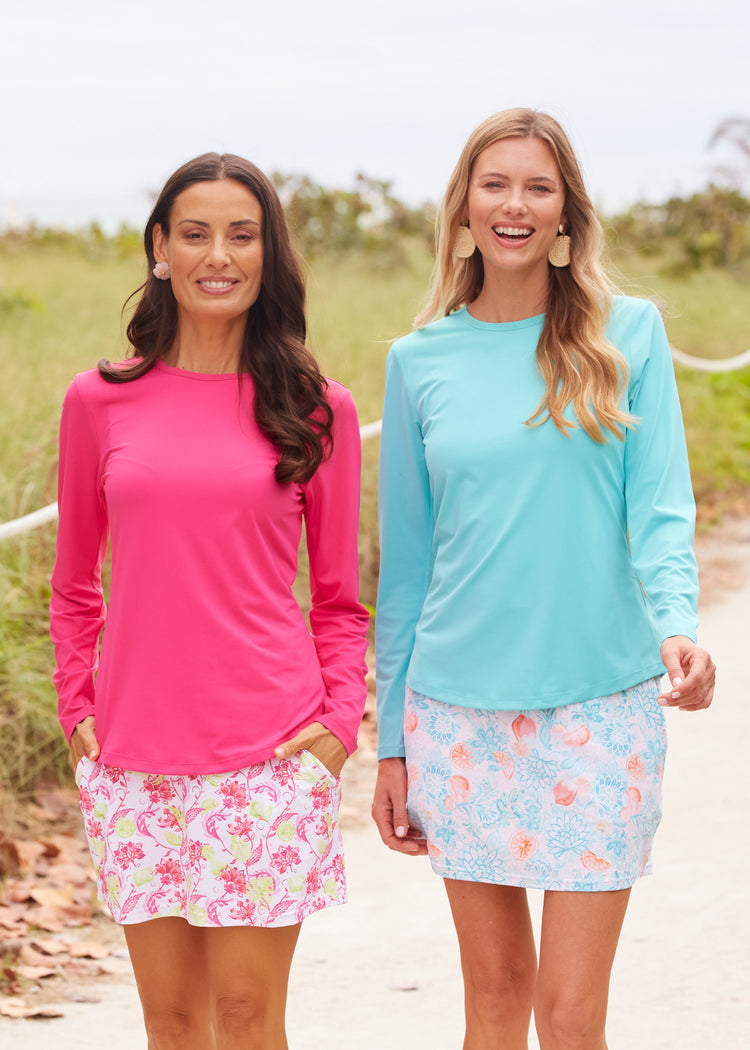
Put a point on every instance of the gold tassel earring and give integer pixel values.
(559, 253)
(463, 246)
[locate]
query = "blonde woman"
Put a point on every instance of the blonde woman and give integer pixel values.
(537, 578)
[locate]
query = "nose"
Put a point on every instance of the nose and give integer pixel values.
(217, 254)
(515, 202)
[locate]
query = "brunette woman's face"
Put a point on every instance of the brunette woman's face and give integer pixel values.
(214, 249)
(515, 204)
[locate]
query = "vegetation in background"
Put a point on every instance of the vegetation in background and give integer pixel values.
(369, 265)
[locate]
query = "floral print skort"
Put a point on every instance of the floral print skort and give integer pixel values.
(260, 846)
(565, 798)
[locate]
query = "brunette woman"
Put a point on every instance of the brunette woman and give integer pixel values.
(209, 738)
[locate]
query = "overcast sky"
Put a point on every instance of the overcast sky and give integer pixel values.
(101, 101)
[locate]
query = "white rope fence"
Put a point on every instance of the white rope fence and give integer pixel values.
(706, 364)
(369, 430)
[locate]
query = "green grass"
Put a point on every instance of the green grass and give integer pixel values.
(707, 312)
(60, 313)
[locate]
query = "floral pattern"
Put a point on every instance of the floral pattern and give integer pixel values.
(260, 846)
(566, 798)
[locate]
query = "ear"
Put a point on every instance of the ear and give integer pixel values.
(159, 242)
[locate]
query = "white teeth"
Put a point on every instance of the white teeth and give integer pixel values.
(217, 284)
(513, 231)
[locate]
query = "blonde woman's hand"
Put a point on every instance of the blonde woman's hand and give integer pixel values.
(389, 809)
(692, 674)
(83, 741)
(321, 743)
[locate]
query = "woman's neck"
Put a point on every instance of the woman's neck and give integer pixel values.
(207, 347)
(510, 297)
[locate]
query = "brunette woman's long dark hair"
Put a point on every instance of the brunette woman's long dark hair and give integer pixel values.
(290, 403)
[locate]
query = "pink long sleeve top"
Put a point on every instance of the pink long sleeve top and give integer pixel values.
(207, 662)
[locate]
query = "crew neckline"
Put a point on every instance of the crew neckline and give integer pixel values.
(506, 326)
(162, 366)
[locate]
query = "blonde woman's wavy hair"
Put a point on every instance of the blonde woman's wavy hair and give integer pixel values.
(575, 360)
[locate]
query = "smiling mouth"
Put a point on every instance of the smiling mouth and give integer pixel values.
(514, 233)
(216, 285)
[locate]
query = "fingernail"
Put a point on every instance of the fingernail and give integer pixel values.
(661, 701)
(675, 695)
(400, 832)
(92, 753)
(677, 681)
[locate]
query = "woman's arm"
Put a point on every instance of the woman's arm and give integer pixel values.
(338, 622)
(661, 515)
(405, 520)
(77, 609)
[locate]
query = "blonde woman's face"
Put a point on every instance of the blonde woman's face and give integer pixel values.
(515, 205)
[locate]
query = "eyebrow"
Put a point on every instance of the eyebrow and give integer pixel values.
(501, 175)
(237, 222)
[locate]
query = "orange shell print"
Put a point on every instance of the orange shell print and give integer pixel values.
(575, 737)
(632, 803)
(564, 794)
(590, 860)
(411, 722)
(635, 767)
(523, 726)
(461, 756)
(523, 845)
(459, 791)
(506, 763)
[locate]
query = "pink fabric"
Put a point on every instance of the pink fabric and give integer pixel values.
(207, 663)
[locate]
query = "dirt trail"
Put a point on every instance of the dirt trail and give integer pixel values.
(383, 971)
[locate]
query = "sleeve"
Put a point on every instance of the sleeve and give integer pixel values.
(405, 521)
(338, 622)
(77, 609)
(658, 490)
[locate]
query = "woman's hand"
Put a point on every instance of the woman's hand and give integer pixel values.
(691, 672)
(83, 742)
(321, 743)
(389, 809)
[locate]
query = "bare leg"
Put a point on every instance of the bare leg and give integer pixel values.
(170, 965)
(211, 988)
(498, 960)
(579, 938)
(249, 975)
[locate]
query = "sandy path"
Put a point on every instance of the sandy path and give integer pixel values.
(383, 971)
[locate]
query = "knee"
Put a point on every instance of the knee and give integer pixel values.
(492, 992)
(239, 1014)
(570, 1023)
(170, 1027)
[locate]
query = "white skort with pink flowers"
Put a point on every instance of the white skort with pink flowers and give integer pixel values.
(565, 798)
(260, 846)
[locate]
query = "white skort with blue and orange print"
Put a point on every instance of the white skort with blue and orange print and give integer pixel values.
(565, 798)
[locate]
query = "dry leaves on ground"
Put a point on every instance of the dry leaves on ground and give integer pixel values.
(47, 900)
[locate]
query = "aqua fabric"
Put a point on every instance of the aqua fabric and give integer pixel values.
(522, 568)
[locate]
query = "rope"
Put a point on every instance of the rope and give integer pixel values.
(705, 364)
(29, 521)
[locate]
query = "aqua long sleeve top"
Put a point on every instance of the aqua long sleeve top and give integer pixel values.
(522, 568)
(207, 663)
